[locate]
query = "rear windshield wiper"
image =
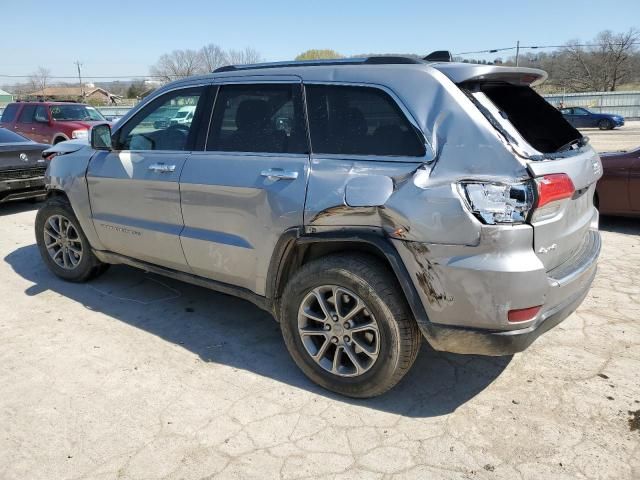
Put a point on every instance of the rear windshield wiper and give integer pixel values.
(580, 142)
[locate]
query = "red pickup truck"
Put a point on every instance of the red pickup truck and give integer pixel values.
(50, 122)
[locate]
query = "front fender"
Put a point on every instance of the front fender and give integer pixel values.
(67, 174)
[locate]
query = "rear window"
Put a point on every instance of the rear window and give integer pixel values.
(537, 121)
(359, 121)
(7, 136)
(9, 113)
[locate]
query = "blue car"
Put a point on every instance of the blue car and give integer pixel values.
(582, 118)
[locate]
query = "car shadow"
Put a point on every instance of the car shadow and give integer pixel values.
(11, 208)
(626, 225)
(231, 331)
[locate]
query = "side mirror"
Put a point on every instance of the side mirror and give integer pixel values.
(100, 137)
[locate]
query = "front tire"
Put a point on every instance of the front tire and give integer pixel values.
(347, 325)
(63, 245)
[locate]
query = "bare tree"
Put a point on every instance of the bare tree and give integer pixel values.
(39, 79)
(604, 66)
(178, 64)
(213, 56)
(244, 56)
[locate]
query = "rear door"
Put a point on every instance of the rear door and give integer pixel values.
(25, 123)
(248, 187)
(613, 187)
(134, 189)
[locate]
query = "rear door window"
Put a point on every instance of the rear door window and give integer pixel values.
(26, 116)
(353, 120)
(259, 118)
(9, 113)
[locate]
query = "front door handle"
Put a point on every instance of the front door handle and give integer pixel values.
(279, 174)
(162, 168)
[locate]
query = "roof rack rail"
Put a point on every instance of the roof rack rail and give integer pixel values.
(379, 60)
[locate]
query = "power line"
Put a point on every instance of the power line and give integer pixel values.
(533, 47)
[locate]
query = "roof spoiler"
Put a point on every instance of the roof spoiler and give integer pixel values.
(439, 56)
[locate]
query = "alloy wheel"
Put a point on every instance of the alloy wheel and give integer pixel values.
(63, 242)
(338, 331)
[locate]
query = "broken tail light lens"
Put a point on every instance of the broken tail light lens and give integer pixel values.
(497, 203)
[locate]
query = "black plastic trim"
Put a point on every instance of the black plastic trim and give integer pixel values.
(115, 258)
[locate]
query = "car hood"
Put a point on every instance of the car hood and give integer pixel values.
(78, 125)
(69, 146)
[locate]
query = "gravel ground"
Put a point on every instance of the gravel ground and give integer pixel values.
(135, 376)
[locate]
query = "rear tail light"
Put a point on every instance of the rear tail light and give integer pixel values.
(495, 203)
(552, 189)
(523, 314)
(499, 203)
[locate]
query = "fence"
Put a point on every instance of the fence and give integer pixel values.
(626, 104)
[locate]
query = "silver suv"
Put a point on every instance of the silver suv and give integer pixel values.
(365, 203)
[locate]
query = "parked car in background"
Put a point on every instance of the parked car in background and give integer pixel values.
(183, 116)
(618, 191)
(332, 195)
(21, 167)
(582, 118)
(50, 122)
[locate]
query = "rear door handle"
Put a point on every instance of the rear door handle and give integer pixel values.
(279, 174)
(162, 168)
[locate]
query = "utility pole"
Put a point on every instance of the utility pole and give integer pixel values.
(78, 64)
(517, 52)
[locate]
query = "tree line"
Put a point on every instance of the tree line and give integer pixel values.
(603, 64)
(185, 63)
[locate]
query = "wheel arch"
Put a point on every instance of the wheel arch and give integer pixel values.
(294, 249)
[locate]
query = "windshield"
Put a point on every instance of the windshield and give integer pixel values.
(75, 112)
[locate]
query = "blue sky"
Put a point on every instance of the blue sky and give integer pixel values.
(125, 37)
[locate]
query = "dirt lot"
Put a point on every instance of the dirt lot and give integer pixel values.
(137, 377)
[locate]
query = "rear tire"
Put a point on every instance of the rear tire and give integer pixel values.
(605, 124)
(63, 245)
(374, 347)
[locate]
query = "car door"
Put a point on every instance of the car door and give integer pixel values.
(248, 187)
(134, 189)
(582, 118)
(613, 187)
(634, 180)
(567, 113)
(25, 122)
(41, 121)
